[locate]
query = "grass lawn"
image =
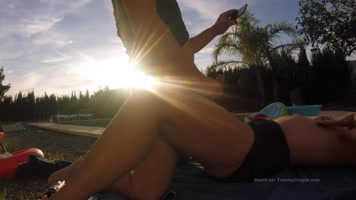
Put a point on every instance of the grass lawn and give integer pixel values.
(55, 146)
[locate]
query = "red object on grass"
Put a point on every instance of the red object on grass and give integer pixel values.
(1, 135)
(8, 165)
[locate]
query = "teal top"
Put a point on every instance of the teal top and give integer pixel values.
(167, 10)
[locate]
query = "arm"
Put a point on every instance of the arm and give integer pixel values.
(348, 121)
(221, 25)
(155, 46)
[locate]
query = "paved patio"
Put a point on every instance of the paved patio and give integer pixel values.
(90, 131)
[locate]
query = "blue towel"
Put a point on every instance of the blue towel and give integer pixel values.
(190, 182)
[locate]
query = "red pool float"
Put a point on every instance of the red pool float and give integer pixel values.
(8, 165)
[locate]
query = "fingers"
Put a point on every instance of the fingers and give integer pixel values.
(327, 121)
(224, 22)
(334, 123)
(227, 14)
(348, 121)
(323, 118)
(330, 122)
(232, 22)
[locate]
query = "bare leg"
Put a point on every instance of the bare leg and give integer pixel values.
(314, 145)
(65, 173)
(132, 133)
(149, 181)
(121, 140)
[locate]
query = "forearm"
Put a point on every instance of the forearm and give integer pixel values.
(220, 27)
(199, 41)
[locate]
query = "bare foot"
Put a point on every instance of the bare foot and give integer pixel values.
(65, 173)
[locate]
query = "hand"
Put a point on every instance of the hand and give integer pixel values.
(348, 121)
(224, 22)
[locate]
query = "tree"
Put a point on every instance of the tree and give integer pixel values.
(83, 100)
(3, 88)
(7, 109)
(256, 46)
(303, 61)
(332, 76)
(73, 103)
(106, 102)
(240, 87)
(292, 70)
(243, 40)
(303, 69)
(329, 22)
(270, 35)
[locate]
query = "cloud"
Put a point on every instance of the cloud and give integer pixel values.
(23, 18)
(27, 23)
(68, 3)
(40, 41)
(9, 48)
(210, 9)
(23, 23)
(50, 37)
(10, 71)
(40, 80)
(53, 60)
(29, 27)
(208, 49)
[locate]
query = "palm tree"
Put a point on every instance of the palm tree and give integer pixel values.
(243, 40)
(271, 34)
(256, 46)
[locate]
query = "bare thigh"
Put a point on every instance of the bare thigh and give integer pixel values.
(152, 179)
(313, 145)
(206, 131)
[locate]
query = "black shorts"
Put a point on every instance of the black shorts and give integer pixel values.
(268, 156)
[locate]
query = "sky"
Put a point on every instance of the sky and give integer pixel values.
(60, 46)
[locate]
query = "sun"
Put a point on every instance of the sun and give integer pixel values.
(114, 72)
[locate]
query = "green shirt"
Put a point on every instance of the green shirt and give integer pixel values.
(167, 10)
